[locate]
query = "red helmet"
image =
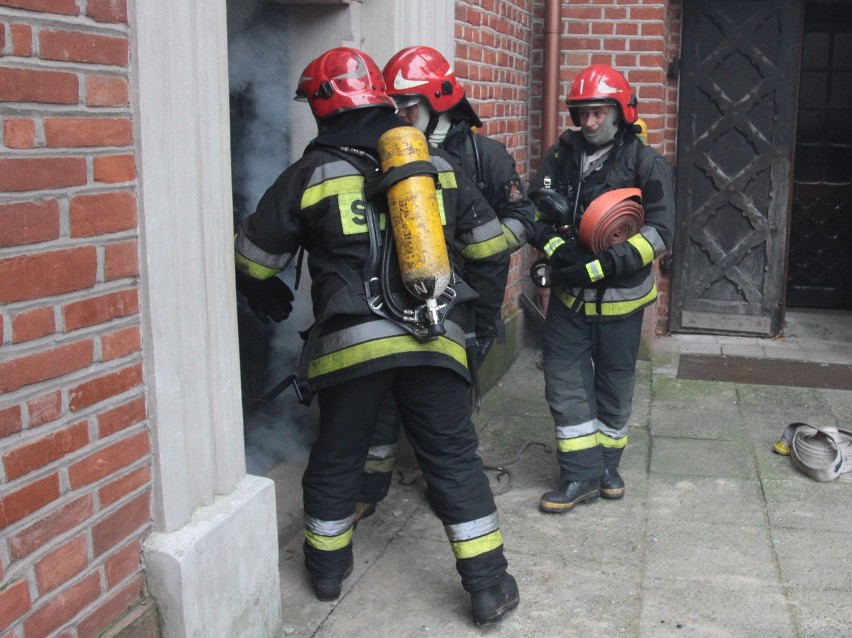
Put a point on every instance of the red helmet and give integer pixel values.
(340, 80)
(423, 71)
(601, 83)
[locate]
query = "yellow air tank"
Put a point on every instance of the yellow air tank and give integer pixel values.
(415, 218)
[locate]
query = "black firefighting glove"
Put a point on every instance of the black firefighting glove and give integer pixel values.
(268, 298)
(586, 273)
(567, 255)
(484, 344)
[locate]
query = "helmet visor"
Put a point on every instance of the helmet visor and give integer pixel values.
(404, 101)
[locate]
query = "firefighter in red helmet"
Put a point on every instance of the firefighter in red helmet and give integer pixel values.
(594, 318)
(429, 97)
(369, 338)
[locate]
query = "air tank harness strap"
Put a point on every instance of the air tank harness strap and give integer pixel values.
(381, 183)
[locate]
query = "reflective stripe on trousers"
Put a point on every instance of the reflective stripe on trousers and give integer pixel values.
(590, 374)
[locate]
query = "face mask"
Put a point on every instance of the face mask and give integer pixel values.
(606, 131)
(423, 113)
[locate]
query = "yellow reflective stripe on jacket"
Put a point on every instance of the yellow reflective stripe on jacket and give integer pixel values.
(367, 351)
(254, 269)
(328, 543)
(643, 247)
(551, 245)
(609, 442)
(593, 268)
(257, 261)
(608, 308)
(580, 443)
(330, 188)
(477, 546)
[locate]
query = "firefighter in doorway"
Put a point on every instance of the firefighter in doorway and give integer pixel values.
(594, 319)
(372, 336)
(430, 97)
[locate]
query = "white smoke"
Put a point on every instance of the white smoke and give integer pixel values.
(281, 430)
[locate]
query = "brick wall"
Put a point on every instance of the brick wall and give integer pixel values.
(75, 464)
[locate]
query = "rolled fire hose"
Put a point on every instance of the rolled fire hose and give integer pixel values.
(611, 218)
(821, 452)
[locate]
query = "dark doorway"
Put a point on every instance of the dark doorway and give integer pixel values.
(734, 165)
(820, 258)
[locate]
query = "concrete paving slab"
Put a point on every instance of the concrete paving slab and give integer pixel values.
(814, 560)
(825, 615)
(672, 608)
(700, 499)
(710, 552)
(804, 504)
(698, 423)
(702, 457)
(689, 393)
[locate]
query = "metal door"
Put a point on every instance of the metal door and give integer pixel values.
(735, 144)
(821, 224)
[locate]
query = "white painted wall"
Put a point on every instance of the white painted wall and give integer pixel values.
(204, 504)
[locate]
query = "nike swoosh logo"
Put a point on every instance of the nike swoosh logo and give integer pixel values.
(400, 83)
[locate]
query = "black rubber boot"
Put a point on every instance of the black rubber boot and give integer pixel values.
(328, 588)
(612, 485)
(491, 604)
(571, 493)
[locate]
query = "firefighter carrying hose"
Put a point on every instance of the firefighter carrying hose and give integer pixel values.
(356, 202)
(594, 318)
(429, 97)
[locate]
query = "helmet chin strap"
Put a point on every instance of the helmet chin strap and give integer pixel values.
(606, 131)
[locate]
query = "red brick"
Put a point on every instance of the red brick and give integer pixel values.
(104, 387)
(105, 213)
(11, 420)
(121, 343)
(19, 132)
(121, 260)
(65, 132)
(72, 46)
(102, 309)
(127, 519)
(66, 7)
(39, 173)
(33, 324)
(60, 609)
(44, 409)
(107, 90)
(14, 602)
(17, 505)
(108, 460)
(26, 458)
(29, 222)
(114, 607)
(118, 489)
(122, 417)
(22, 40)
(112, 169)
(51, 525)
(31, 85)
(62, 564)
(107, 10)
(47, 364)
(123, 563)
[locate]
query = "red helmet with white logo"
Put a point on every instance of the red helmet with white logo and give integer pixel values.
(422, 71)
(600, 83)
(340, 80)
